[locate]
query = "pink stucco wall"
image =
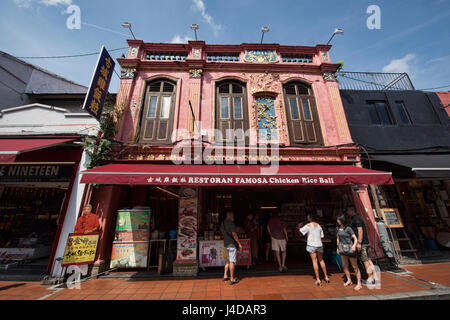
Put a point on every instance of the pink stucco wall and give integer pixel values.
(241, 71)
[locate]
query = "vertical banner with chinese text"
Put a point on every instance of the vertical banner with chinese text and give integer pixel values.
(98, 89)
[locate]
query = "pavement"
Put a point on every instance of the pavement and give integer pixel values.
(431, 281)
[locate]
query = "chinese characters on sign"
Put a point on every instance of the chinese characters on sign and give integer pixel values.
(80, 249)
(98, 89)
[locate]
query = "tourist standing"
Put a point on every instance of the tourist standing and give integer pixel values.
(277, 231)
(346, 248)
(231, 243)
(363, 245)
(314, 246)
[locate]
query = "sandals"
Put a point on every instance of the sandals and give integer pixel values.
(318, 283)
(327, 281)
(234, 282)
(226, 279)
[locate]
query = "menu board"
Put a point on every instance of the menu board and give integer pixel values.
(131, 239)
(129, 255)
(187, 225)
(213, 253)
(392, 218)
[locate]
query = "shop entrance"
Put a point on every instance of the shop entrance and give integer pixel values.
(28, 223)
(293, 205)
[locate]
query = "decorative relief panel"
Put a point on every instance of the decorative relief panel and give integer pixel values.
(133, 52)
(195, 73)
(267, 119)
(127, 73)
(261, 56)
(329, 76)
(196, 54)
(325, 56)
(264, 82)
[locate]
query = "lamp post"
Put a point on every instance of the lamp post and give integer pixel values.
(336, 31)
(128, 25)
(264, 30)
(195, 28)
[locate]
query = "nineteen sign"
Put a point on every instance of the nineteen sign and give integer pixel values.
(98, 89)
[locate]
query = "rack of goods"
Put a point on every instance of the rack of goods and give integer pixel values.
(28, 222)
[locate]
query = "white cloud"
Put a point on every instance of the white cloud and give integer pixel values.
(27, 3)
(22, 3)
(178, 39)
(200, 6)
(400, 65)
(56, 2)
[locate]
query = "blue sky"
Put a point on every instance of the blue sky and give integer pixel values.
(414, 35)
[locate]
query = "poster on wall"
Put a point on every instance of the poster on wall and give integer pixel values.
(244, 257)
(213, 253)
(187, 225)
(129, 220)
(129, 255)
(80, 249)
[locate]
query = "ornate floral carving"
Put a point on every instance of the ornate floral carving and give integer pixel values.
(264, 82)
(261, 56)
(196, 54)
(127, 73)
(195, 73)
(267, 118)
(329, 76)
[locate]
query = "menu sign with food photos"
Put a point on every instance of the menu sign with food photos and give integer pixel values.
(130, 246)
(187, 225)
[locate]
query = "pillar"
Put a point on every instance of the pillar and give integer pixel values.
(105, 203)
(186, 263)
(364, 209)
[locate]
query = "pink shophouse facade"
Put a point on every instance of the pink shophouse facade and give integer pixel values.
(172, 94)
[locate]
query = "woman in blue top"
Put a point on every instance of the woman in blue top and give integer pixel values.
(346, 248)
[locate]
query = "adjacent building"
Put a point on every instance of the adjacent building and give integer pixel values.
(42, 132)
(406, 132)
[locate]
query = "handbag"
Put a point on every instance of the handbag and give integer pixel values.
(345, 249)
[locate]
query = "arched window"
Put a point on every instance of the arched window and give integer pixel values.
(301, 111)
(231, 108)
(157, 116)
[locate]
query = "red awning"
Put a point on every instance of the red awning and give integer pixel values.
(234, 175)
(10, 148)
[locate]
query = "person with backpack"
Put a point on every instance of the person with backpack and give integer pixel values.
(314, 246)
(231, 243)
(363, 245)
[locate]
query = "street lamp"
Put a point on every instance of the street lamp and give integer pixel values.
(195, 28)
(336, 31)
(264, 30)
(128, 25)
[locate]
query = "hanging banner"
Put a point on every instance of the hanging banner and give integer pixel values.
(80, 249)
(98, 89)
